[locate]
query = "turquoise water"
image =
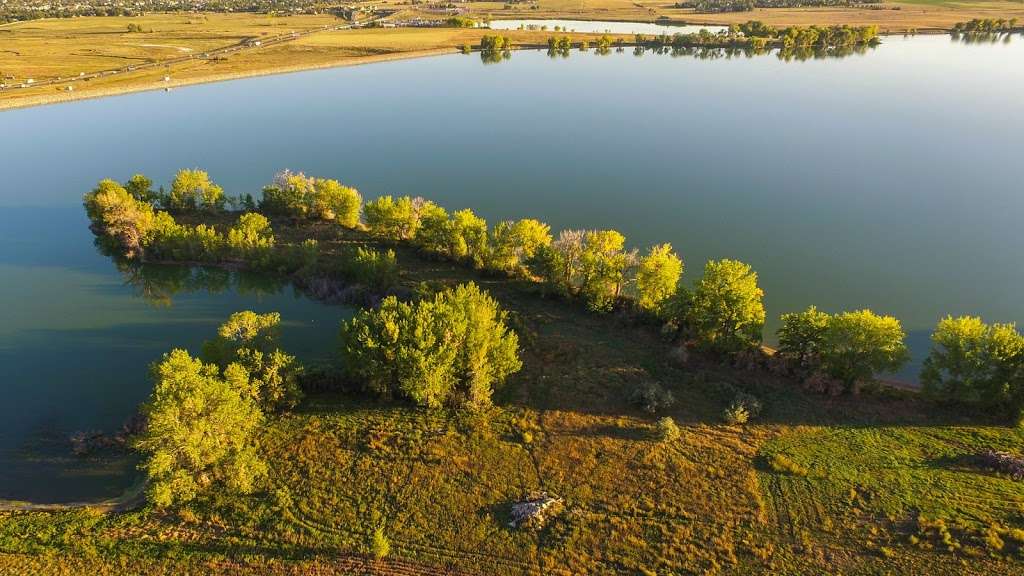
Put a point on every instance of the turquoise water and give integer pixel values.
(888, 180)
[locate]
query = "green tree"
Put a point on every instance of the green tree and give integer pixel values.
(251, 238)
(141, 188)
(512, 245)
(392, 219)
(288, 195)
(453, 349)
(251, 340)
(802, 337)
(725, 310)
(119, 219)
(657, 277)
(602, 265)
(974, 362)
(201, 431)
(192, 190)
(861, 343)
(333, 201)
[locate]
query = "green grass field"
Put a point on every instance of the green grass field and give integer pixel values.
(871, 476)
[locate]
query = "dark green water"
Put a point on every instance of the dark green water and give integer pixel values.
(888, 180)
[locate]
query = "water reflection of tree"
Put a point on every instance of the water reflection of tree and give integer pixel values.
(495, 56)
(158, 284)
(982, 37)
(795, 53)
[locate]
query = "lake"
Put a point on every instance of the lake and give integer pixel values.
(602, 26)
(887, 180)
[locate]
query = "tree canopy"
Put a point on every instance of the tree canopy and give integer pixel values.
(452, 350)
(725, 310)
(201, 431)
(971, 361)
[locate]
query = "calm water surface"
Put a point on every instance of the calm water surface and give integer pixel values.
(888, 180)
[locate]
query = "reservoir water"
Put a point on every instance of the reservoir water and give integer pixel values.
(888, 180)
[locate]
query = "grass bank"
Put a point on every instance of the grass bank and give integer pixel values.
(849, 484)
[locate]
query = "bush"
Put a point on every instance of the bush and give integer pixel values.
(380, 547)
(736, 414)
(251, 239)
(725, 311)
(743, 407)
(652, 398)
(666, 430)
(451, 350)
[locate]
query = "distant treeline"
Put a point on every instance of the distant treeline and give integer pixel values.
(984, 26)
(723, 313)
(718, 6)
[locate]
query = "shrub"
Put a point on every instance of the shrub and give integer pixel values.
(736, 414)
(725, 310)
(201, 430)
(652, 398)
(251, 239)
(380, 546)
(743, 407)
(451, 350)
(378, 270)
(667, 430)
(193, 190)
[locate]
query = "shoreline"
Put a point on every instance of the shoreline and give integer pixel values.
(67, 97)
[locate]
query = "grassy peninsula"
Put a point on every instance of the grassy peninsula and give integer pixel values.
(672, 446)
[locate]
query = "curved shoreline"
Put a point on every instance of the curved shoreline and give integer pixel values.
(65, 97)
